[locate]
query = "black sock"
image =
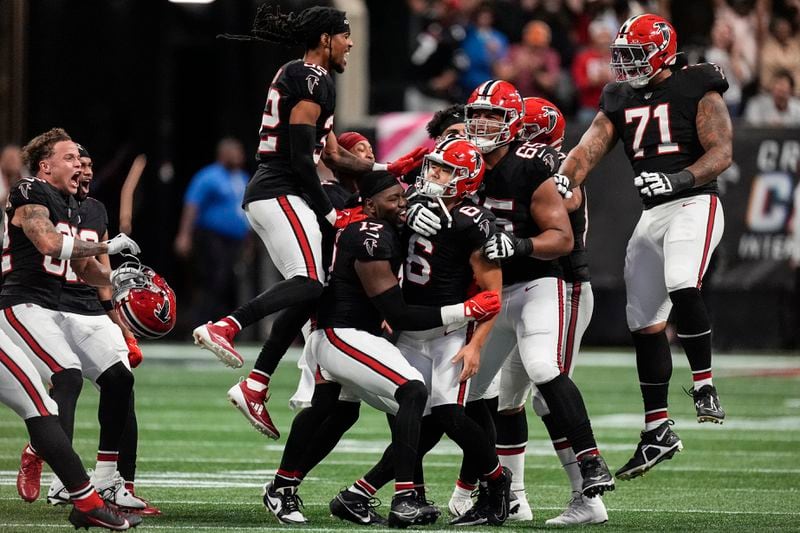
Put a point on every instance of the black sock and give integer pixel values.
(481, 412)
(512, 432)
(654, 365)
(298, 290)
(116, 385)
(383, 471)
(52, 445)
(126, 462)
(468, 435)
(411, 398)
(693, 328)
(566, 405)
(284, 331)
(554, 429)
(306, 424)
(329, 433)
(67, 386)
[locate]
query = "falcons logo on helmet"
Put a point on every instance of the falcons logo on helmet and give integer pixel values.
(163, 312)
(552, 118)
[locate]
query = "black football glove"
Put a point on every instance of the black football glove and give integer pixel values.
(651, 184)
(505, 245)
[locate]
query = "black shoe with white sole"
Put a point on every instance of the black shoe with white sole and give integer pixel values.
(357, 508)
(656, 445)
(596, 477)
(285, 504)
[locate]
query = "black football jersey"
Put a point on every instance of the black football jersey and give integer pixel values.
(29, 276)
(344, 302)
(657, 124)
(437, 270)
(507, 192)
(77, 296)
(576, 264)
(294, 82)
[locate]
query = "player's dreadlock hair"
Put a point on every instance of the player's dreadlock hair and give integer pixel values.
(41, 147)
(291, 29)
(443, 119)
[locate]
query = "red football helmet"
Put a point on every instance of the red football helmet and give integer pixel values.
(543, 122)
(461, 159)
(644, 45)
(143, 300)
(499, 97)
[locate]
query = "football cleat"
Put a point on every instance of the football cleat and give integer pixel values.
(581, 510)
(459, 503)
(105, 517)
(596, 477)
(407, 510)
(348, 505)
(253, 406)
(57, 494)
(148, 509)
(114, 492)
(478, 514)
(429, 513)
(219, 340)
(499, 495)
(706, 403)
(519, 510)
(656, 445)
(285, 504)
(29, 477)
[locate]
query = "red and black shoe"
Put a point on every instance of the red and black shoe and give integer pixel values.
(29, 477)
(104, 516)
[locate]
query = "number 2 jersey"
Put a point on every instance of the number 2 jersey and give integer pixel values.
(507, 192)
(77, 296)
(29, 276)
(294, 82)
(344, 302)
(657, 124)
(437, 270)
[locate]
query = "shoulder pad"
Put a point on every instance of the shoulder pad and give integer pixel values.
(310, 82)
(538, 157)
(702, 78)
(371, 239)
(30, 191)
(613, 97)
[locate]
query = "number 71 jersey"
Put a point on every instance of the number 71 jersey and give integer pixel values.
(657, 124)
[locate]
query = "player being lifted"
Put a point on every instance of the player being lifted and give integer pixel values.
(284, 194)
(677, 135)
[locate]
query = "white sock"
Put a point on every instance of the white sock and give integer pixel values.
(106, 466)
(515, 463)
(571, 467)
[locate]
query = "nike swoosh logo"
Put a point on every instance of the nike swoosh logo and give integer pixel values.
(531, 287)
(596, 478)
(686, 203)
(477, 219)
(661, 437)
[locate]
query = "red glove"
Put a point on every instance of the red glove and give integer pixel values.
(344, 217)
(134, 352)
(407, 163)
(482, 306)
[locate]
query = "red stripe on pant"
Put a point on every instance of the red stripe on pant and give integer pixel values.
(26, 383)
(712, 211)
(31, 342)
(365, 359)
(300, 235)
(462, 390)
(575, 302)
(560, 286)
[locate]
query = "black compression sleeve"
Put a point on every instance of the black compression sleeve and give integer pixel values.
(303, 142)
(401, 316)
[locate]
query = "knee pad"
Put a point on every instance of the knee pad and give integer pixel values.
(691, 316)
(542, 371)
(412, 391)
(312, 285)
(117, 378)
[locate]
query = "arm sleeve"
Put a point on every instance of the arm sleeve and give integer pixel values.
(301, 137)
(402, 316)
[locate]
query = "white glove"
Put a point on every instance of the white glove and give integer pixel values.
(562, 185)
(504, 246)
(121, 243)
(423, 221)
(652, 184)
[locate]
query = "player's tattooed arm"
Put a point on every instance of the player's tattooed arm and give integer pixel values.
(716, 136)
(550, 214)
(489, 277)
(598, 140)
(337, 158)
(34, 219)
(92, 271)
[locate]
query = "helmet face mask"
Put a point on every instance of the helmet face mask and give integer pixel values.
(455, 159)
(500, 99)
(644, 45)
(143, 300)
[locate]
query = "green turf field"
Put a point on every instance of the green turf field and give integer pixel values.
(203, 465)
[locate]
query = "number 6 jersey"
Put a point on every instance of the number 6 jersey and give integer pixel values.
(29, 276)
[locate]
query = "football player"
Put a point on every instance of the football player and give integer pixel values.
(363, 291)
(677, 135)
(544, 123)
(94, 326)
(21, 390)
(441, 269)
(285, 193)
(38, 245)
(536, 233)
